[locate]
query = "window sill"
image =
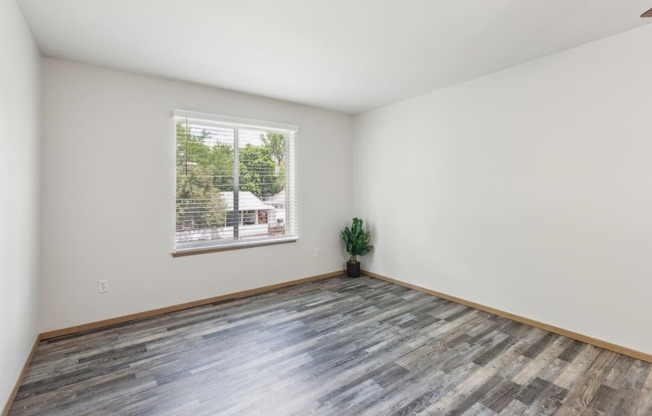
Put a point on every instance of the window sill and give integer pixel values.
(232, 246)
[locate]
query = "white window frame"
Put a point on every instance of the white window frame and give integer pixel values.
(236, 123)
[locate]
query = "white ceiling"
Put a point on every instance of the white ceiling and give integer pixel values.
(345, 55)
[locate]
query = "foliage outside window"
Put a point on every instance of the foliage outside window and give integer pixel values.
(234, 183)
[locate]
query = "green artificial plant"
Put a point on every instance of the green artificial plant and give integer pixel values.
(356, 240)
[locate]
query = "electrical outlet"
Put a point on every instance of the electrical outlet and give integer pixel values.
(317, 252)
(102, 285)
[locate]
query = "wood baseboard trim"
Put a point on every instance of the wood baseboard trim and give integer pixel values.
(146, 314)
(19, 381)
(560, 331)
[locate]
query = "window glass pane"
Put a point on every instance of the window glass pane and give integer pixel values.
(205, 172)
(262, 182)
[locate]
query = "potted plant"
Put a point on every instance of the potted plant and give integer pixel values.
(356, 240)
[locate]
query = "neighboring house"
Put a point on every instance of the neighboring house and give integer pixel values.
(251, 209)
(278, 201)
(252, 220)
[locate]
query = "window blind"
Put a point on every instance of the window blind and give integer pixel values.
(234, 181)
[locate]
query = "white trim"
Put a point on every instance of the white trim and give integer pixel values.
(235, 120)
(235, 244)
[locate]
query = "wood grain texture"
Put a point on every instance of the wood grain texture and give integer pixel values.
(561, 331)
(338, 346)
(182, 306)
(14, 391)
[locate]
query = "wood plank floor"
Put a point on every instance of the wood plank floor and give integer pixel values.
(334, 347)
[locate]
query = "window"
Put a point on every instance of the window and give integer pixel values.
(234, 182)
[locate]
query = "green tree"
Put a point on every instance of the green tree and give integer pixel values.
(191, 148)
(201, 173)
(257, 171)
(199, 203)
(221, 166)
(275, 144)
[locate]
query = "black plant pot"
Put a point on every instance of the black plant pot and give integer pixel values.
(353, 269)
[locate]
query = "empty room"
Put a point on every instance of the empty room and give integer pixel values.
(325, 208)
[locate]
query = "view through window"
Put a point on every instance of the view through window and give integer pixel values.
(234, 183)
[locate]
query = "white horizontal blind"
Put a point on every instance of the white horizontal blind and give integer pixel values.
(235, 183)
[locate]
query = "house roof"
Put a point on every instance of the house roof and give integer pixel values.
(279, 198)
(247, 201)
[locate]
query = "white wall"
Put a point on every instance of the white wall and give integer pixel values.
(19, 193)
(108, 195)
(529, 190)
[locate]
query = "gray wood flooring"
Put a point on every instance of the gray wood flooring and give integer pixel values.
(335, 347)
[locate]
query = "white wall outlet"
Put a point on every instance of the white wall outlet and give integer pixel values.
(317, 252)
(102, 285)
